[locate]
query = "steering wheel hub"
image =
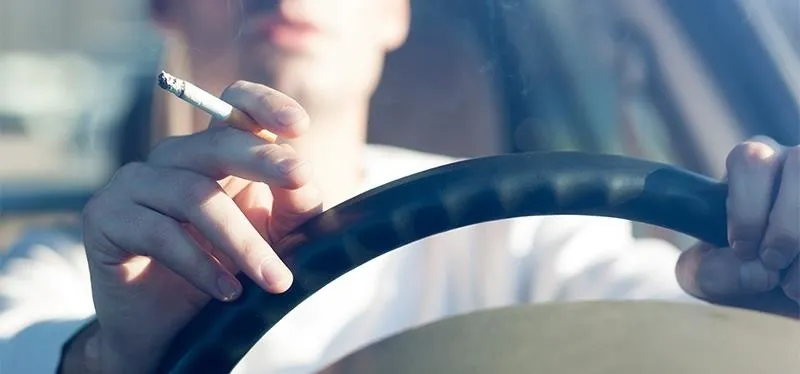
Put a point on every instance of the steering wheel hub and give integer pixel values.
(588, 338)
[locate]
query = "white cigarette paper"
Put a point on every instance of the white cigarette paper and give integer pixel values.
(212, 105)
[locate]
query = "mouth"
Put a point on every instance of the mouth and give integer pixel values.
(281, 31)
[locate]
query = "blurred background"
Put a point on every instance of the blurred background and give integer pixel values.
(678, 81)
(65, 73)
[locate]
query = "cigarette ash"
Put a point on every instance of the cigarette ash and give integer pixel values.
(171, 83)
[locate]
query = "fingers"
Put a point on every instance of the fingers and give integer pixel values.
(764, 218)
(791, 282)
(762, 270)
(781, 243)
(291, 208)
(144, 232)
(192, 198)
(753, 168)
(223, 151)
(710, 273)
(178, 188)
(270, 109)
(275, 214)
(256, 203)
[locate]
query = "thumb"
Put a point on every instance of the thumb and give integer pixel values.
(718, 276)
(710, 273)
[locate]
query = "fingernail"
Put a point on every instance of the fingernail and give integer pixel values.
(755, 277)
(277, 276)
(774, 259)
(229, 287)
(289, 116)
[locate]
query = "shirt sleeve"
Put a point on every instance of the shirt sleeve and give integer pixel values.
(45, 297)
(592, 258)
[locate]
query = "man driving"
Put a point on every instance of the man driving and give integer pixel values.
(167, 234)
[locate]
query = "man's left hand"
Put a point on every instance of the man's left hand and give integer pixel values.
(760, 270)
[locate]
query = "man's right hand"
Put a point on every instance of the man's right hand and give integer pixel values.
(166, 235)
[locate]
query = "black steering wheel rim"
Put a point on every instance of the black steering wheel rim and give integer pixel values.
(439, 200)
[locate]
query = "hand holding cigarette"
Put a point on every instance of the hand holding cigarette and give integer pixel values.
(203, 207)
(216, 107)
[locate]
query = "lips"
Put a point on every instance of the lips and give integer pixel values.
(277, 29)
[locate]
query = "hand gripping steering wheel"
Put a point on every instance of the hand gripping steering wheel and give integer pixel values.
(438, 200)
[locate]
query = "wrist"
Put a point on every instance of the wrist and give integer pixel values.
(80, 354)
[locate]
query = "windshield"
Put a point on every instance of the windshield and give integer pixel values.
(673, 81)
(783, 17)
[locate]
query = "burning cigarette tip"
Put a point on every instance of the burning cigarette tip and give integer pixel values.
(211, 104)
(170, 83)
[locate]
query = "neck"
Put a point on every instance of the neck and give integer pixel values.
(334, 144)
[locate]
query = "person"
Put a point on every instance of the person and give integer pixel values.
(168, 233)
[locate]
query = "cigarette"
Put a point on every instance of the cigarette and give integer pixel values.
(213, 105)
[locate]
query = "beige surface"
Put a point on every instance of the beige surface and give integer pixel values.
(36, 166)
(12, 227)
(25, 160)
(590, 338)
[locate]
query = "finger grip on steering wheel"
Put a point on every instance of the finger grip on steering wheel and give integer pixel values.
(439, 200)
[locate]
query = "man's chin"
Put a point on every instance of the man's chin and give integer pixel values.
(278, 58)
(269, 60)
(277, 68)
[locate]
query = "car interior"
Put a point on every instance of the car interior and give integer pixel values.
(675, 81)
(669, 81)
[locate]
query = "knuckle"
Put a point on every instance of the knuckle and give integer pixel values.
(260, 104)
(750, 155)
(783, 236)
(268, 152)
(235, 89)
(219, 137)
(198, 190)
(157, 233)
(101, 219)
(251, 97)
(163, 146)
(94, 210)
(265, 99)
(105, 202)
(248, 94)
(130, 173)
(251, 249)
(764, 140)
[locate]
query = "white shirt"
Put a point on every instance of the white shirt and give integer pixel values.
(45, 290)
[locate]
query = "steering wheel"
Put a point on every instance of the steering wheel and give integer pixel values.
(438, 200)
